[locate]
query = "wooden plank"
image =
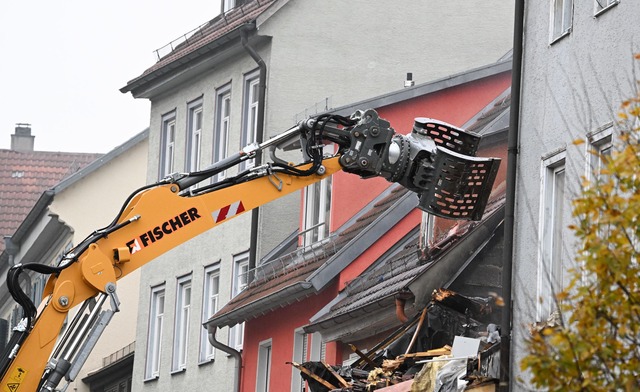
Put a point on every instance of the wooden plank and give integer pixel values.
(341, 380)
(312, 375)
(362, 355)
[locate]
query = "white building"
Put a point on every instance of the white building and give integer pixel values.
(577, 68)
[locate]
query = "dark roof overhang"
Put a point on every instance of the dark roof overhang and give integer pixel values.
(189, 65)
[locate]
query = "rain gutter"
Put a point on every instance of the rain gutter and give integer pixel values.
(262, 86)
(509, 231)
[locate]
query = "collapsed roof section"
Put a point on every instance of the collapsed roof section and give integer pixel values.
(367, 306)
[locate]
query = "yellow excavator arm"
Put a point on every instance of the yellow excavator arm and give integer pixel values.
(436, 160)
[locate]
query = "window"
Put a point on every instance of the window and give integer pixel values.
(181, 331)
(221, 129)
(228, 5)
(300, 343)
(318, 348)
(194, 135)
(600, 149)
(550, 269)
(167, 146)
(154, 339)
(209, 307)
(264, 366)
(250, 114)
(426, 231)
(240, 282)
(304, 352)
(561, 15)
(317, 208)
(603, 5)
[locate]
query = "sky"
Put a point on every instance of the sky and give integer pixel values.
(64, 62)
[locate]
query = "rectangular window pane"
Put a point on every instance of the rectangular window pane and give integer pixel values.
(209, 307)
(264, 366)
(551, 266)
(561, 17)
(250, 121)
(240, 282)
(181, 330)
(156, 320)
(194, 132)
(221, 130)
(317, 211)
(167, 145)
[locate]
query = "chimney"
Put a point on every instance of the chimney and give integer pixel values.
(22, 140)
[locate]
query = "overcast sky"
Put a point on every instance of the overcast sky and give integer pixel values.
(63, 63)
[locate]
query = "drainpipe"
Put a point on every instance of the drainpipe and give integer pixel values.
(262, 87)
(512, 155)
(229, 350)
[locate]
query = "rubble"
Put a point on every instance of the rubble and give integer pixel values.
(421, 355)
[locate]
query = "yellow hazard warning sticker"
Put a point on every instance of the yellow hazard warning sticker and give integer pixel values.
(15, 379)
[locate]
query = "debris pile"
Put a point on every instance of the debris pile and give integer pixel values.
(452, 345)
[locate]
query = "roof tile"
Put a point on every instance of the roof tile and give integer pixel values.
(24, 176)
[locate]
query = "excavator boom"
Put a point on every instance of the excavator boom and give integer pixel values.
(436, 160)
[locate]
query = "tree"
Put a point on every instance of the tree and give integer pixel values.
(595, 345)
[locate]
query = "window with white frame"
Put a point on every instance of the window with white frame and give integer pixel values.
(600, 145)
(550, 267)
(317, 211)
(154, 334)
(194, 135)
(221, 129)
(167, 145)
(240, 282)
(209, 307)
(300, 343)
(318, 348)
(602, 5)
(561, 18)
(181, 329)
(264, 366)
(306, 347)
(250, 114)
(426, 230)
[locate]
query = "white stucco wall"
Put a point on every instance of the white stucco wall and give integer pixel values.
(570, 88)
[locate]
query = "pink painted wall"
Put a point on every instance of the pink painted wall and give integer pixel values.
(279, 326)
(455, 105)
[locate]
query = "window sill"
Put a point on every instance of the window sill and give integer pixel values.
(560, 37)
(178, 371)
(206, 362)
(154, 378)
(605, 9)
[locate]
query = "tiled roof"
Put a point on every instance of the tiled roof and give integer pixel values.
(210, 32)
(293, 269)
(24, 176)
(389, 277)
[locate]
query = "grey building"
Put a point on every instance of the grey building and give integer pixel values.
(248, 74)
(578, 66)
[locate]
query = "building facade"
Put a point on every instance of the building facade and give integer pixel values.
(246, 75)
(577, 69)
(371, 222)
